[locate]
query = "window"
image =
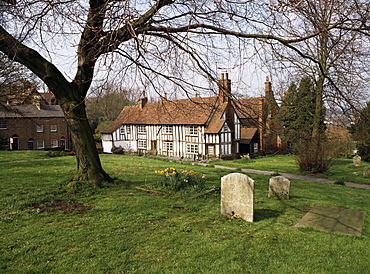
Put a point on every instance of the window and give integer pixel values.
(122, 130)
(128, 129)
(54, 143)
(142, 144)
(167, 129)
(192, 148)
(40, 144)
(53, 128)
(167, 146)
(255, 147)
(30, 143)
(3, 124)
(141, 129)
(40, 128)
(63, 142)
(192, 130)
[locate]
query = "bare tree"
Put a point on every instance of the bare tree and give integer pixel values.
(147, 36)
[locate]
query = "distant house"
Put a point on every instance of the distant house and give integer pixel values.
(28, 122)
(211, 127)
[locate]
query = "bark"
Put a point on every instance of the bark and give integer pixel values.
(89, 168)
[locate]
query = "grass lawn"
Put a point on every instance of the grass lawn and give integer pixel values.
(342, 168)
(120, 229)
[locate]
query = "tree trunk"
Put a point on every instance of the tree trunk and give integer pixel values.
(89, 168)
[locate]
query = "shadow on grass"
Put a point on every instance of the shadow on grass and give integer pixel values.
(263, 214)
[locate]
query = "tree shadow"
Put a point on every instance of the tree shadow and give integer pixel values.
(263, 214)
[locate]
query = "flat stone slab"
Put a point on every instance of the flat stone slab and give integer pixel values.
(334, 219)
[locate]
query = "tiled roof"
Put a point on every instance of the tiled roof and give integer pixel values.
(247, 135)
(248, 107)
(194, 111)
(31, 111)
(216, 123)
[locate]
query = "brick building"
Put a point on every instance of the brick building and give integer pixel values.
(33, 127)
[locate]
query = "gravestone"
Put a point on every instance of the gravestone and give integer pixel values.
(356, 160)
(367, 172)
(237, 196)
(279, 187)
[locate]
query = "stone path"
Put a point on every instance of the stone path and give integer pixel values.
(293, 176)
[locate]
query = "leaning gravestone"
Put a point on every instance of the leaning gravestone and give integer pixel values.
(237, 196)
(367, 172)
(279, 187)
(356, 160)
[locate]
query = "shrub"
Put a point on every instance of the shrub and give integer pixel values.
(117, 150)
(314, 155)
(181, 179)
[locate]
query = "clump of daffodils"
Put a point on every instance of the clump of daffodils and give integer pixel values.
(181, 179)
(245, 158)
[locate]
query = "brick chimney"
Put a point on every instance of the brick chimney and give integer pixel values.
(224, 87)
(143, 100)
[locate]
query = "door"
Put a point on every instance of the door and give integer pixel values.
(14, 142)
(153, 148)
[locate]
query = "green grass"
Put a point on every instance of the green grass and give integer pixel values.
(22, 155)
(131, 231)
(342, 168)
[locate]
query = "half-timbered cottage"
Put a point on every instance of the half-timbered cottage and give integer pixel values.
(211, 127)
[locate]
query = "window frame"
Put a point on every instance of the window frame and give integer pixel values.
(141, 129)
(142, 144)
(39, 128)
(167, 129)
(52, 125)
(43, 144)
(192, 130)
(192, 148)
(168, 146)
(3, 124)
(54, 140)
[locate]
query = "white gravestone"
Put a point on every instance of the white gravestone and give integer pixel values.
(357, 160)
(237, 196)
(279, 187)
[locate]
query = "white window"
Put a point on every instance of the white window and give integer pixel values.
(167, 129)
(3, 125)
(192, 130)
(167, 146)
(142, 144)
(53, 128)
(122, 130)
(255, 146)
(54, 143)
(141, 129)
(40, 127)
(40, 144)
(192, 148)
(128, 129)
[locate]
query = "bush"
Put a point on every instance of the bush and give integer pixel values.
(117, 150)
(181, 179)
(314, 155)
(364, 150)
